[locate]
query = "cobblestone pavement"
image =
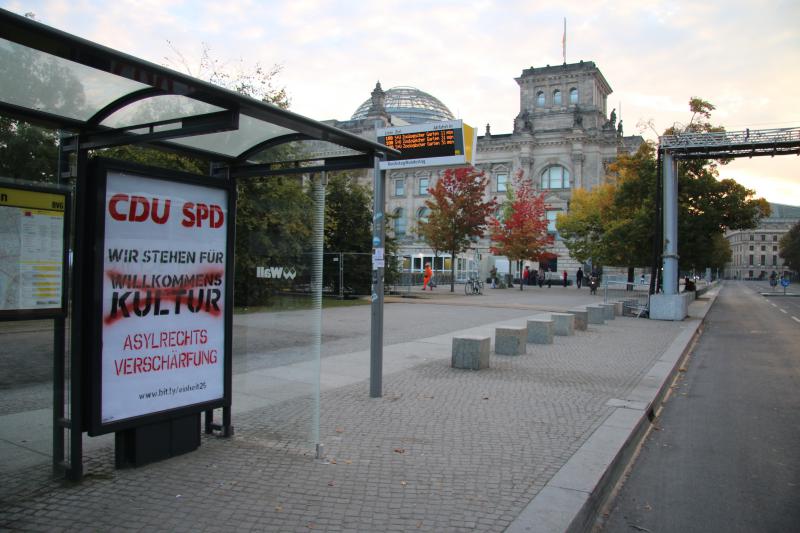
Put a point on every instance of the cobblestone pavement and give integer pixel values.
(442, 450)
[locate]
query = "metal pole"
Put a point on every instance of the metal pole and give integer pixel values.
(83, 197)
(378, 239)
(318, 188)
(341, 275)
(670, 224)
(59, 339)
(657, 229)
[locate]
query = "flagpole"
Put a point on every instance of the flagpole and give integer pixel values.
(564, 41)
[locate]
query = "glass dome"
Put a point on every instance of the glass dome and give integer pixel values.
(411, 105)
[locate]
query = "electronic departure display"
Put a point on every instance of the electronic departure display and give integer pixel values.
(424, 143)
(434, 144)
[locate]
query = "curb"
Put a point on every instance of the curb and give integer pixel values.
(574, 496)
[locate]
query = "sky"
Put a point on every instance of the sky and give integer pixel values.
(742, 56)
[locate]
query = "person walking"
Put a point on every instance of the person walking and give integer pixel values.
(427, 276)
(493, 276)
(549, 275)
(579, 277)
(541, 277)
(526, 275)
(564, 276)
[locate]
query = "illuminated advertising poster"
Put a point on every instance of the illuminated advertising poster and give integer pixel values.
(163, 296)
(31, 252)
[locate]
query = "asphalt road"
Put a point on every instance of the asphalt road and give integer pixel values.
(724, 457)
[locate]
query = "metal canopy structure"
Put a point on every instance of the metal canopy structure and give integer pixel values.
(713, 145)
(98, 98)
(109, 98)
(732, 144)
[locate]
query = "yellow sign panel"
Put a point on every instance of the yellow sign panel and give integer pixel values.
(31, 199)
(469, 142)
(32, 242)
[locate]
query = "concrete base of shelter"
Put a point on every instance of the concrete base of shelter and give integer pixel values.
(670, 306)
(510, 341)
(470, 352)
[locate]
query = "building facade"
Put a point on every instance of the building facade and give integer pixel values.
(754, 253)
(563, 138)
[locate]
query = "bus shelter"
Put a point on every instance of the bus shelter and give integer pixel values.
(133, 265)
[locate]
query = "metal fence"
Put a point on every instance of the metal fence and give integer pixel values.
(635, 297)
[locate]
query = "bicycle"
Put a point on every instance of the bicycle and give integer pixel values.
(473, 286)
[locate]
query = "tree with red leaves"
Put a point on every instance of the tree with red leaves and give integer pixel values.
(522, 234)
(458, 212)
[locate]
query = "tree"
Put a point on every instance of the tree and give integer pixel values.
(272, 222)
(789, 248)
(522, 234)
(614, 223)
(458, 212)
(584, 228)
(348, 229)
(720, 252)
(256, 81)
(27, 152)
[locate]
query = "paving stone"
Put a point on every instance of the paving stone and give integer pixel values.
(440, 451)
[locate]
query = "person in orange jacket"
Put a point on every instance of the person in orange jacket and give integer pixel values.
(427, 276)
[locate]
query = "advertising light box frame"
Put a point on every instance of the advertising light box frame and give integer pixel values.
(33, 198)
(158, 353)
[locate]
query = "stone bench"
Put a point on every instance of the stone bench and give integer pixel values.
(608, 311)
(581, 318)
(510, 341)
(595, 314)
(540, 331)
(470, 352)
(563, 324)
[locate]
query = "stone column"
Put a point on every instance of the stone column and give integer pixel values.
(577, 164)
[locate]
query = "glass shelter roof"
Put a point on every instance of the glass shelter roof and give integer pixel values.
(59, 80)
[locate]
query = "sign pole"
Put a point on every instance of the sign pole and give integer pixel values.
(378, 239)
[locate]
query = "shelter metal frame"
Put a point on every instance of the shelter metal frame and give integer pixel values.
(712, 145)
(219, 135)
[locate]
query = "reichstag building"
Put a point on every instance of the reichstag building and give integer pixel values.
(563, 138)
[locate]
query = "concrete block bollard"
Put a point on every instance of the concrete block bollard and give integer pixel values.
(563, 323)
(596, 314)
(608, 311)
(510, 341)
(540, 331)
(470, 352)
(581, 318)
(618, 308)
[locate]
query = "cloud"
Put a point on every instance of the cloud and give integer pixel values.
(656, 54)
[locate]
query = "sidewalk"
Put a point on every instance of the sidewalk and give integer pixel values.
(524, 445)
